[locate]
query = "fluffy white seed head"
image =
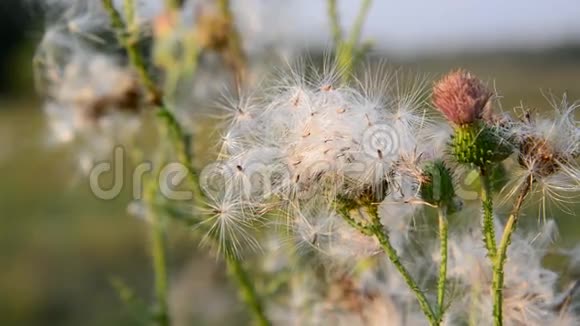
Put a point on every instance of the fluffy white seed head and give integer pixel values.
(328, 133)
(548, 154)
(306, 139)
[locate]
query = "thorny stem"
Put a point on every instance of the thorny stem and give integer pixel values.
(159, 250)
(180, 140)
(383, 237)
(247, 290)
(138, 63)
(344, 211)
(443, 236)
(158, 253)
(498, 268)
(488, 228)
(376, 229)
(130, 46)
(158, 232)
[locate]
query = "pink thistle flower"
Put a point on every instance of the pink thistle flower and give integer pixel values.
(461, 97)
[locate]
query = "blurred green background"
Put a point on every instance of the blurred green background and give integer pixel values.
(60, 246)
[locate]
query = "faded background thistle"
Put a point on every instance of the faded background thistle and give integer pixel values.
(61, 248)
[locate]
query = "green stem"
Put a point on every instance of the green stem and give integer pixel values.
(443, 230)
(247, 290)
(334, 22)
(176, 131)
(346, 50)
(498, 270)
(344, 211)
(391, 252)
(358, 24)
(172, 4)
(376, 229)
(236, 270)
(158, 249)
(130, 45)
(180, 141)
(181, 144)
(158, 246)
(488, 227)
(130, 14)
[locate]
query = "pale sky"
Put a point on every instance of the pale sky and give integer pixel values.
(411, 26)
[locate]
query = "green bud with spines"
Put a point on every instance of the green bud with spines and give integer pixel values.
(464, 101)
(479, 144)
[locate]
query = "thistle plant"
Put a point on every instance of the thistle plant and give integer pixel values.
(482, 139)
(334, 194)
(477, 140)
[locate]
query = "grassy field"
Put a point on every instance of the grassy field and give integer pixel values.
(59, 245)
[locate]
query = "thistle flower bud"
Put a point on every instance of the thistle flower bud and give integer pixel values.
(461, 97)
(464, 101)
(479, 145)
